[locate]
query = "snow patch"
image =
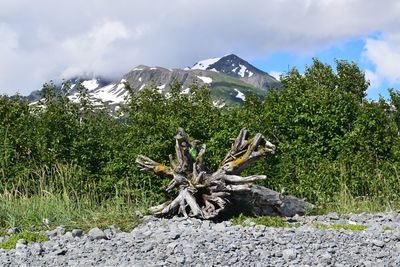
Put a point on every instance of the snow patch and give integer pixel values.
(240, 95)
(106, 94)
(213, 69)
(136, 69)
(242, 70)
(141, 87)
(140, 79)
(185, 92)
(204, 64)
(205, 79)
(218, 104)
(161, 88)
(120, 86)
(153, 68)
(111, 93)
(250, 73)
(91, 84)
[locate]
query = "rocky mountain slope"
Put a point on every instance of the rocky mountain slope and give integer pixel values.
(230, 79)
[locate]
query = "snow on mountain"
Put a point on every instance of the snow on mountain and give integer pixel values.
(244, 78)
(205, 64)
(186, 91)
(205, 79)
(240, 95)
(111, 93)
(91, 84)
(236, 67)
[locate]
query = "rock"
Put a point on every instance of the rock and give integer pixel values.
(220, 227)
(326, 258)
(13, 230)
(22, 241)
(174, 235)
(182, 242)
(180, 259)
(138, 214)
(115, 229)
(147, 247)
(108, 233)
(60, 230)
(378, 243)
(333, 216)
(289, 254)
(21, 244)
(36, 249)
(96, 234)
(60, 252)
(77, 232)
(51, 233)
(68, 235)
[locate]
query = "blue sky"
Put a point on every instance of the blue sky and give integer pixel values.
(46, 40)
(352, 50)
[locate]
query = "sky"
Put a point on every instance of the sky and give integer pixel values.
(46, 40)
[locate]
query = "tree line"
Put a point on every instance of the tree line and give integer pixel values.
(331, 140)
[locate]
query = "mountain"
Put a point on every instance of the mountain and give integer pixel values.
(229, 78)
(236, 67)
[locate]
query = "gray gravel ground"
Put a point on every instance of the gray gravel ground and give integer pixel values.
(192, 242)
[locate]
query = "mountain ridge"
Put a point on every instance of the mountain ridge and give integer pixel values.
(229, 78)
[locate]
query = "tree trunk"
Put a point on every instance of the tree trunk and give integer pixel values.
(206, 195)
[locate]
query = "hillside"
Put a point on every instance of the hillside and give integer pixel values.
(230, 79)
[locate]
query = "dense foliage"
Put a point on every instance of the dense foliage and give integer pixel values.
(331, 140)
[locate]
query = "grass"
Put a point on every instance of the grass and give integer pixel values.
(269, 221)
(352, 227)
(29, 214)
(28, 236)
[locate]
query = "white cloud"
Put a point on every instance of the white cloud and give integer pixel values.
(275, 74)
(384, 54)
(86, 53)
(374, 79)
(48, 39)
(9, 38)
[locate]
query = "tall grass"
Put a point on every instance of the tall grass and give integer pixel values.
(59, 195)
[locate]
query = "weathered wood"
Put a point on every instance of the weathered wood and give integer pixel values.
(261, 201)
(205, 194)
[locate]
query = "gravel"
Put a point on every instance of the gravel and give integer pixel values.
(193, 242)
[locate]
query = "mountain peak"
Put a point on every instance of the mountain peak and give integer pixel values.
(231, 65)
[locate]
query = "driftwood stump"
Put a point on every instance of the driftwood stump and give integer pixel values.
(205, 194)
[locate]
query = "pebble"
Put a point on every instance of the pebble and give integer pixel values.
(193, 242)
(77, 232)
(96, 234)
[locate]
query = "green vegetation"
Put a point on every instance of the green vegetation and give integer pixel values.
(47, 212)
(29, 237)
(269, 221)
(77, 162)
(223, 88)
(388, 228)
(351, 227)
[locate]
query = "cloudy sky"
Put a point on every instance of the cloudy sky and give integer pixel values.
(45, 39)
